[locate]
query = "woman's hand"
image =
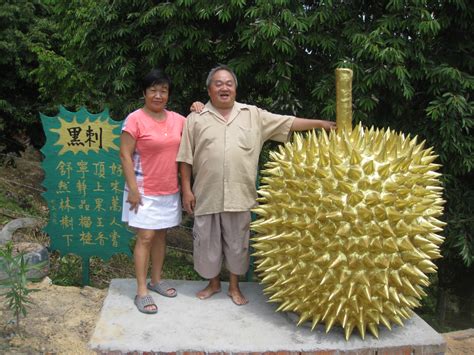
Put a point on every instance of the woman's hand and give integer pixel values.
(197, 106)
(135, 200)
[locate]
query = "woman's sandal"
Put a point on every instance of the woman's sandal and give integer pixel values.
(162, 288)
(143, 302)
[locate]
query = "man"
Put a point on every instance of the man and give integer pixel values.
(220, 148)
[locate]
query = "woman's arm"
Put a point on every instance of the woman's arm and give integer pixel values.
(127, 148)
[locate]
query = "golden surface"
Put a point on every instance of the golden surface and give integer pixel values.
(348, 227)
(344, 99)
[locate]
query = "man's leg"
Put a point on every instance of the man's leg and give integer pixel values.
(236, 232)
(207, 252)
(234, 291)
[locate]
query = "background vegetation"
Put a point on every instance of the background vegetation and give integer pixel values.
(412, 61)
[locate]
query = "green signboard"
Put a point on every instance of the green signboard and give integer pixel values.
(84, 185)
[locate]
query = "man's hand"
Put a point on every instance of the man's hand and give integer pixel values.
(135, 200)
(197, 106)
(189, 202)
(328, 125)
(304, 124)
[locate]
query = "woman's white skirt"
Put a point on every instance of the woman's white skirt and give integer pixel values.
(157, 212)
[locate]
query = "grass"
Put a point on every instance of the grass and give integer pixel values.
(16, 205)
(67, 270)
(20, 188)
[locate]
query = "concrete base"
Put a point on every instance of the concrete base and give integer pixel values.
(216, 325)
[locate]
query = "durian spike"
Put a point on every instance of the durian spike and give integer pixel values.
(303, 318)
(348, 330)
(315, 321)
(373, 329)
(343, 99)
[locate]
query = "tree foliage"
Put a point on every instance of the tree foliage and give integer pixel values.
(18, 92)
(412, 62)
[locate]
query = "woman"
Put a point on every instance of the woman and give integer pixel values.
(148, 147)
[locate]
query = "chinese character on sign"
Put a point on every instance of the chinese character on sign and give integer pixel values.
(93, 137)
(74, 133)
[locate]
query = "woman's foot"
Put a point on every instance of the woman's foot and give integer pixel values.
(163, 288)
(145, 304)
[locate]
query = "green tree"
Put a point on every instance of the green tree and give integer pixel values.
(18, 92)
(114, 45)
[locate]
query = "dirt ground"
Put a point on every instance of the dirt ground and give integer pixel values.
(460, 342)
(62, 320)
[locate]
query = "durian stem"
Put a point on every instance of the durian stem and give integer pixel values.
(344, 99)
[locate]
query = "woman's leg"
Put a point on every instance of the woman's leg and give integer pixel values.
(158, 250)
(141, 255)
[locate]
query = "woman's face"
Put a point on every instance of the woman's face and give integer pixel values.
(156, 97)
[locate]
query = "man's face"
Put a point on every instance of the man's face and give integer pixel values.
(222, 90)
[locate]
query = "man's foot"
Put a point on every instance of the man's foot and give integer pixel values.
(237, 297)
(209, 290)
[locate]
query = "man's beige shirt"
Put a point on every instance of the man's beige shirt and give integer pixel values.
(224, 155)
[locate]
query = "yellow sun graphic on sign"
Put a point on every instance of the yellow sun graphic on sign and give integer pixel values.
(85, 136)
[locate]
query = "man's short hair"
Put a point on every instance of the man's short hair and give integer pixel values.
(216, 69)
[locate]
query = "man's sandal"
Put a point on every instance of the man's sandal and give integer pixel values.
(143, 302)
(162, 288)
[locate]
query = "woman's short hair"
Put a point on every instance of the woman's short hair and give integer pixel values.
(156, 77)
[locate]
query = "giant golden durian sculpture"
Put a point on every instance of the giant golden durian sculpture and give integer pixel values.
(348, 224)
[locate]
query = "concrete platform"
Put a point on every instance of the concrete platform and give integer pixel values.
(187, 324)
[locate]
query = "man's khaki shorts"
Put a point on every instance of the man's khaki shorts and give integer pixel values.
(221, 236)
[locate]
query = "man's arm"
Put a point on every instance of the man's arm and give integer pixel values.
(304, 124)
(185, 170)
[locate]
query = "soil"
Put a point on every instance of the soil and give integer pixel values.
(62, 320)
(460, 342)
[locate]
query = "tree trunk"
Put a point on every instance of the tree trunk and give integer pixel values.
(441, 303)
